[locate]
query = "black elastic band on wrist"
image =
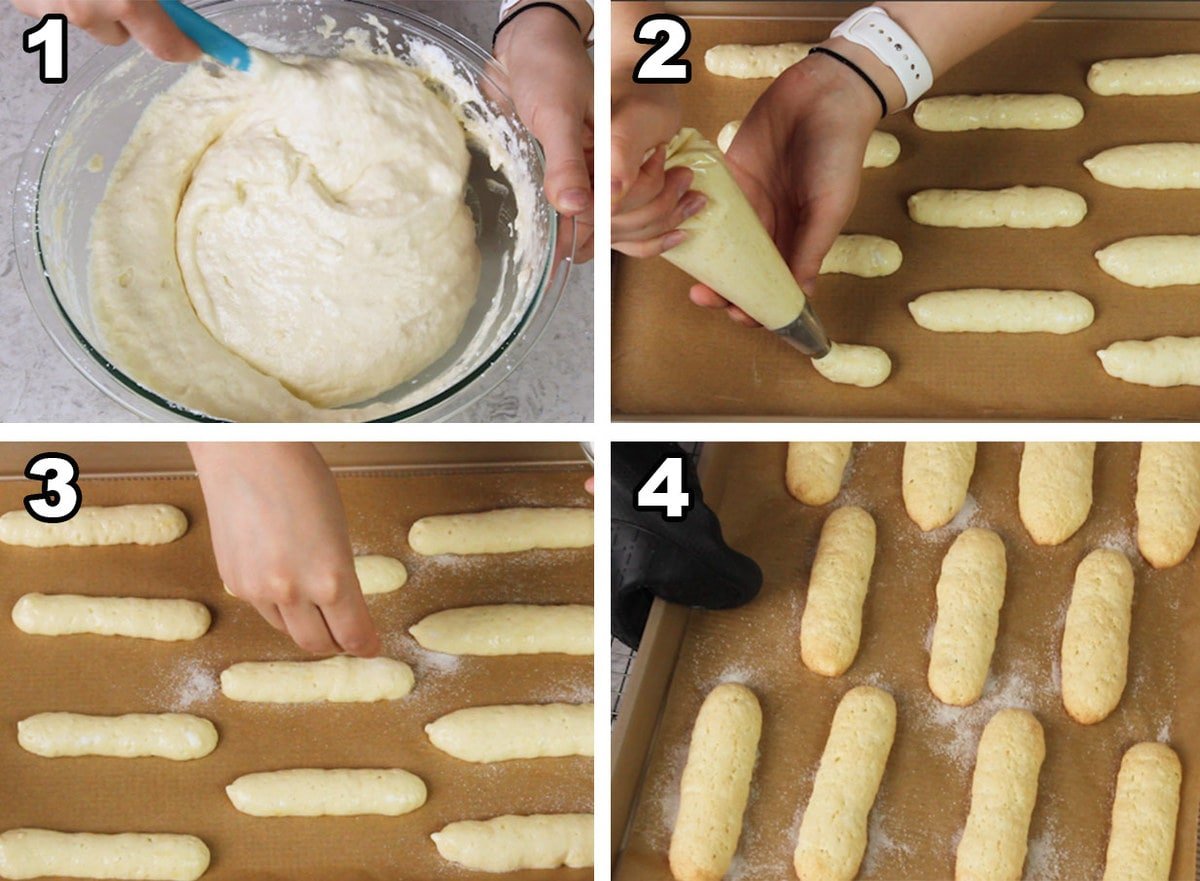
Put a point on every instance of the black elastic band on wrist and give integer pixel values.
(858, 70)
(504, 22)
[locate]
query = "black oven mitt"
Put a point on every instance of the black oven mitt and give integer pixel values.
(683, 562)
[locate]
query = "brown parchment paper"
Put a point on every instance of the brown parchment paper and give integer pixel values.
(673, 359)
(925, 794)
(93, 674)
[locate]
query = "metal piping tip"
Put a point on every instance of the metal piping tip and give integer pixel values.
(806, 334)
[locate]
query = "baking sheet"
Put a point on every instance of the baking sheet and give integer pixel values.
(673, 359)
(93, 674)
(925, 794)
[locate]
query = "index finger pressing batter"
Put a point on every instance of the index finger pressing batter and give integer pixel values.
(1003, 794)
(716, 784)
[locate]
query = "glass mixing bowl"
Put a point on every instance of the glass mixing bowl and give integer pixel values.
(65, 171)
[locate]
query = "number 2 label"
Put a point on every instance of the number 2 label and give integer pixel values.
(670, 36)
(60, 497)
(49, 39)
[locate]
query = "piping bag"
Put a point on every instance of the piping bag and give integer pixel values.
(729, 250)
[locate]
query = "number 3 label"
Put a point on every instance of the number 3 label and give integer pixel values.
(670, 37)
(666, 490)
(60, 497)
(49, 39)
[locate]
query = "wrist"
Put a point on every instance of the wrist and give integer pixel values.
(532, 31)
(882, 75)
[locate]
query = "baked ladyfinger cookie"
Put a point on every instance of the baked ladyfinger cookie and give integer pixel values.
(1003, 793)
(1095, 646)
(814, 471)
(1168, 502)
(716, 784)
(1142, 841)
(1055, 489)
(833, 834)
(970, 592)
(935, 480)
(832, 623)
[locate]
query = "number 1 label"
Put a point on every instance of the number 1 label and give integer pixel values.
(49, 39)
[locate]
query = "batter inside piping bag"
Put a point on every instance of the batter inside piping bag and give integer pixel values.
(276, 243)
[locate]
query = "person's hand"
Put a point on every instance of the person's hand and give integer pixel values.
(113, 22)
(798, 157)
(280, 539)
(550, 83)
(648, 201)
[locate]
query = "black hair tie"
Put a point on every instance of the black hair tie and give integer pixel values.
(854, 67)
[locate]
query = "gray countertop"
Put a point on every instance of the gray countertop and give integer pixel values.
(38, 384)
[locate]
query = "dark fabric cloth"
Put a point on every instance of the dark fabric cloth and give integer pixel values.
(684, 562)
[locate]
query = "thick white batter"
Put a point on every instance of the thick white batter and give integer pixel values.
(290, 239)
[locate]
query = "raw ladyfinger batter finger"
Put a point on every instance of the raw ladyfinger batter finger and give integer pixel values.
(93, 526)
(1164, 75)
(935, 477)
(503, 531)
(508, 629)
(1153, 261)
(883, 148)
(832, 622)
(716, 784)
(862, 255)
(37, 853)
(1162, 363)
(318, 792)
(962, 113)
(515, 731)
(1095, 646)
(1016, 207)
(167, 620)
(1173, 166)
(1141, 842)
(511, 843)
(175, 736)
(815, 469)
(340, 680)
(745, 62)
(1167, 502)
(1003, 794)
(1054, 490)
(990, 310)
(970, 592)
(833, 833)
(848, 364)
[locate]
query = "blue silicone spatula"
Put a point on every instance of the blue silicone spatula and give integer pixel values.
(214, 42)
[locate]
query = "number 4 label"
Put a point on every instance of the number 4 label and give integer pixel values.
(49, 38)
(670, 36)
(666, 490)
(60, 497)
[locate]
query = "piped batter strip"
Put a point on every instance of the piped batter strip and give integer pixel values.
(1172, 166)
(513, 843)
(320, 792)
(815, 469)
(935, 477)
(862, 255)
(1164, 75)
(849, 364)
(1167, 502)
(990, 310)
(1153, 261)
(165, 620)
(833, 834)
(515, 731)
(148, 856)
(175, 736)
(745, 62)
(508, 629)
(1017, 207)
(503, 531)
(1054, 489)
(340, 680)
(1165, 362)
(1003, 794)
(970, 592)
(1141, 842)
(94, 526)
(716, 784)
(1095, 645)
(962, 113)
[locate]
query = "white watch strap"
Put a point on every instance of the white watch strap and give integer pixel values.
(875, 30)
